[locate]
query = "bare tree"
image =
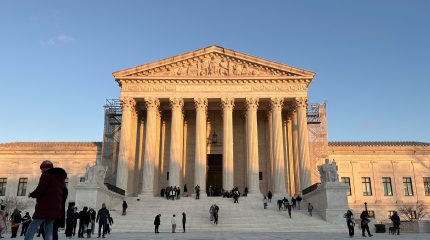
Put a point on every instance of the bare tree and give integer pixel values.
(412, 213)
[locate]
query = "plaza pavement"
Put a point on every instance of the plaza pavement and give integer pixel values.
(246, 236)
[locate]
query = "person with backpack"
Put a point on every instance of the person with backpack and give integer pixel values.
(16, 221)
(350, 222)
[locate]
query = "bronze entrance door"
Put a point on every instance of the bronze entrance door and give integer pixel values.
(214, 174)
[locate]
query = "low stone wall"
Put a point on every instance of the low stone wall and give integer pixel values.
(92, 196)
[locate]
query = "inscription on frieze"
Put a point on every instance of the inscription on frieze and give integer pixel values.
(214, 87)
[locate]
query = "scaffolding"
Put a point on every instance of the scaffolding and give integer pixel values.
(111, 138)
(318, 137)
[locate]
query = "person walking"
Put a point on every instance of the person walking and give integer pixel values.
(16, 221)
(265, 202)
(365, 223)
(26, 220)
(288, 208)
(102, 218)
(293, 202)
(197, 189)
(124, 207)
(49, 196)
(280, 202)
(350, 222)
(173, 221)
(84, 220)
(216, 214)
(396, 221)
(157, 222)
(299, 200)
(269, 196)
(184, 220)
(2, 220)
(310, 208)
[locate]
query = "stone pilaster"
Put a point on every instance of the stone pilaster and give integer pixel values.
(289, 143)
(128, 106)
(227, 150)
(304, 159)
(149, 157)
(200, 149)
(252, 148)
(278, 151)
(295, 148)
(176, 141)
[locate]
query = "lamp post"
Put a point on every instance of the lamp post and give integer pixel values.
(365, 206)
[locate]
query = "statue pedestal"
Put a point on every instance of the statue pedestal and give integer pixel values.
(93, 195)
(329, 201)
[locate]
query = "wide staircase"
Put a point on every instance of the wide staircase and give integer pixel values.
(246, 216)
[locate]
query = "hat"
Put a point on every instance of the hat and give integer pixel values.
(46, 164)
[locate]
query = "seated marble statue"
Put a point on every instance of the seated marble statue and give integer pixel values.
(328, 172)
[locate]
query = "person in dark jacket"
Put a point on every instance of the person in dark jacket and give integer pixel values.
(184, 220)
(299, 200)
(365, 223)
(124, 207)
(269, 196)
(185, 190)
(70, 217)
(49, 199)
(84, 220)
(102, 218)
(60, 222)
(157, 223)
(16, 221)
(26, 220)
(396, 222)
(350, 222)
(92, 214)
(75, 220)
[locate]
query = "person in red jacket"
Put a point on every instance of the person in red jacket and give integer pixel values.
(49, 199)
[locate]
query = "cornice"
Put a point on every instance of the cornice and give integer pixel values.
(48, 145)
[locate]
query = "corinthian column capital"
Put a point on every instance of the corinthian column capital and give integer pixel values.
(276, 103)
(227, 103)
(201, 104)
(128, 103)
(152, 104)
(251, 103)
(301, 102)
(176, 103)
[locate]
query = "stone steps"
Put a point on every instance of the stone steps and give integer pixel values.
(248, 215)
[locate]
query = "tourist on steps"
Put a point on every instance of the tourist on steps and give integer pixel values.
(289, 208)
(124, 207)
(298, 199)
(310, 208)
(157, 222)
(173, 221)
(184, 220)
(102, 218)
(265, 202)
(269, 196)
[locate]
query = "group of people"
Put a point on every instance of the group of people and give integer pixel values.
(172, 192)
(87, 219)
(214, 213)
(365, 220)
(157, 222)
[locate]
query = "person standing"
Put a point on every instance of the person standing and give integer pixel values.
(49, 197)
(310, 208)
(84, 220)
(75, 219)
(269, 196)
(265, 202)
(173, 221)
(185, 190)
(157, 222)
(299, 200)
(124, 208)
(26, 220)
(2, 220)
(184, 220)
(365, 223)
(197, 189)
(70, 219)
(102, 219)
(350, 222)
(396, 221)
(16, 221)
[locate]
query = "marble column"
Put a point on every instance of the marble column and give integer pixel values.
(176, 141)
(200, 149)
(289, 144)
(128, 106)
(252, 148)
(304, 159)
(295, 148)
(149, 156)
(227, 150)
(278, 148)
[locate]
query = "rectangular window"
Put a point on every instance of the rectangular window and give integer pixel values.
(388, 190)
(390, 213)
(407, 184)
(427, 186)
(3, 182)
(367, 186)
(82, 179)
(348, 182)
(22, 187)
(414, 214)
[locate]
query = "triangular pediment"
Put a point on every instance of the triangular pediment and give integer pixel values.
(213, 62)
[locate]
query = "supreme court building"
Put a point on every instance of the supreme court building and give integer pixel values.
(217, 117)
(174, 108)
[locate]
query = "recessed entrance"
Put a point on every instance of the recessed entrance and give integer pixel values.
(214, 174)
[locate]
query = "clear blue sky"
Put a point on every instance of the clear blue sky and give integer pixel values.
(371, 58)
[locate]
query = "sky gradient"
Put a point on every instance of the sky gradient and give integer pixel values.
(371, 58)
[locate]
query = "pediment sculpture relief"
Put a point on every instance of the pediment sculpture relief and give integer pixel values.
(213, 65)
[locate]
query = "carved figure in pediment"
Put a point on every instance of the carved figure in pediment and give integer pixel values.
(192, 69)
(212, 66)
(223, 67)
(237, 69)
(245, 70)
(204, 66)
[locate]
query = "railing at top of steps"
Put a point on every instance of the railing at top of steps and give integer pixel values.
(310, 189)
(115, 189)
